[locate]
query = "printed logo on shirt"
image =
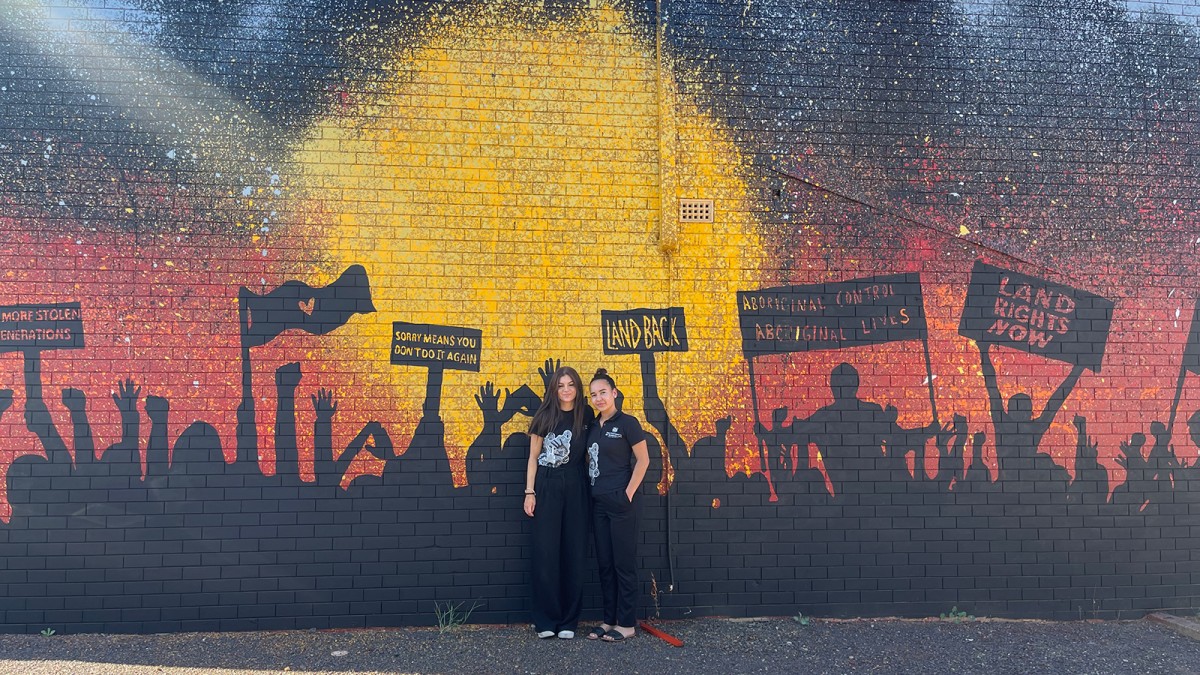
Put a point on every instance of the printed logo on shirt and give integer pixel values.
(556, 450)
(614, 432)
(594, 462)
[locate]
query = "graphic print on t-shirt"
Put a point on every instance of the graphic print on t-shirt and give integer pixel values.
(594, 462)
(556, 450)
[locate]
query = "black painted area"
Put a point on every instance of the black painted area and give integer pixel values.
(208, 546)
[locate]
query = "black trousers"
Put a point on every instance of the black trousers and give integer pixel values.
(560, 517)
(615, 523)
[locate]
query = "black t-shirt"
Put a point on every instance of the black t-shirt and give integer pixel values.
(610, 452)
(560, 446)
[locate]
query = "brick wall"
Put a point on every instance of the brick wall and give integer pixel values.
(278, 282)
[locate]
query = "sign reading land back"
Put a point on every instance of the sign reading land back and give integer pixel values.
(37, 327)
(831, 316)
(1036, 316)
(641, 331)
(420, 344)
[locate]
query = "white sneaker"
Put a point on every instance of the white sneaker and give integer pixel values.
(566, 634)
(546, 634)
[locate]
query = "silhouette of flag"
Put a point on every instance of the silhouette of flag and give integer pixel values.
(295, 304)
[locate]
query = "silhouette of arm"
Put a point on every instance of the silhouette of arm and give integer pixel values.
(325, 408)
(383, 448)
(995, 401)
(85, 445)
(1060, 396)
(656, 410)
(37, 415)
(126, 400)
(158, 451)
(488, 440)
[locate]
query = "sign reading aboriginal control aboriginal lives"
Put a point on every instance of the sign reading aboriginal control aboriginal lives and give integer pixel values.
(38, 327)
(430, 346)
(644, 331)
(853, 313)
(1036, 316)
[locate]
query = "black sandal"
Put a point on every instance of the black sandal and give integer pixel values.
(596, 633)
(615, 635)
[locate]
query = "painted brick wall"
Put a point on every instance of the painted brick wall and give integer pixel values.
(281, 282)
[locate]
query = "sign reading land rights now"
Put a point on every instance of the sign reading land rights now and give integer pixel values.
(1036, 316)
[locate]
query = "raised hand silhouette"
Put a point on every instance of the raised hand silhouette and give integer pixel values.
(486, 461)
(126, 397)
(547, 371)
(488, 400)
(324, 405)
(323, 459)
(122, 457)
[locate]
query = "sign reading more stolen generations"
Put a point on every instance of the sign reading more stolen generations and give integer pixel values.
(441, 347)
(39, 327)
(1036, 316)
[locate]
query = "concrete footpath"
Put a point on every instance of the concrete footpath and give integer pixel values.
(958, 645)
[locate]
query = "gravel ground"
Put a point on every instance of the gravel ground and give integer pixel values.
(710, 646)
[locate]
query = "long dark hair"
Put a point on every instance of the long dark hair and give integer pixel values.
(547, 413)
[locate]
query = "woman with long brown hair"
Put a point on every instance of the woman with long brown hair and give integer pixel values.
(556, 497)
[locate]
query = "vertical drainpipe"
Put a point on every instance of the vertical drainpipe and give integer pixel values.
(668, 222)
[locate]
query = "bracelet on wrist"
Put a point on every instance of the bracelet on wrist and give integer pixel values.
(529, 492)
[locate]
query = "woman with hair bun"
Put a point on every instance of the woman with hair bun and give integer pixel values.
(557, 500)
(617, 463)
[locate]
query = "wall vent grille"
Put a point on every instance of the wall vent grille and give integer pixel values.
(695, 210)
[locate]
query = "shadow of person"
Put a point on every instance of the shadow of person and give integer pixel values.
(1133, 490)
(1018, 434)
(198, 451)
(850, 434)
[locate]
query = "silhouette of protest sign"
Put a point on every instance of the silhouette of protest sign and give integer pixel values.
(866, 311)
(294, 305)
(418, 344)
(647, 332)
(644, 331)
(32, 329)
(855, 313)
(1036, 316)
(1190, 364)
(436, 348)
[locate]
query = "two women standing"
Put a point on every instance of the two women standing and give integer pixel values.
(556, 497)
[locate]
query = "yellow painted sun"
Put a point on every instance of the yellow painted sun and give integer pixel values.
(509, 177)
